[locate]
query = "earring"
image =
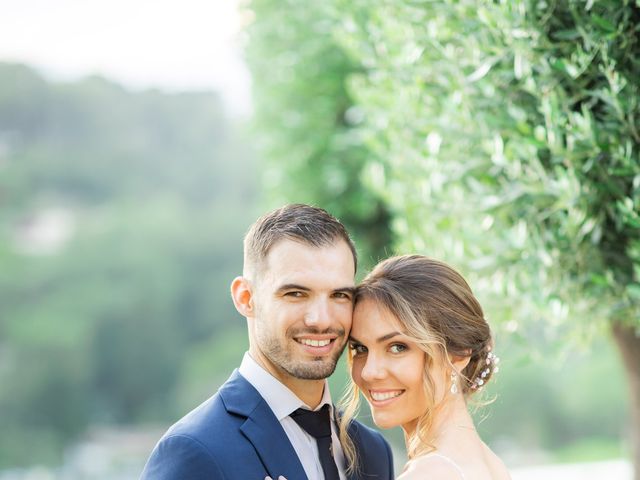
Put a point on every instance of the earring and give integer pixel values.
(454, 383)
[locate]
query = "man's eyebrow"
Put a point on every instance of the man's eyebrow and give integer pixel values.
(292, 286)
(383, 338)
(350, 290)
(295, 286)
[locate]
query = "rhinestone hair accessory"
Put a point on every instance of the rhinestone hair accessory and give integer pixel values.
(491, 363)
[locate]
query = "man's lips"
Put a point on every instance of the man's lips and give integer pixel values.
(317, 344)
(314, 342)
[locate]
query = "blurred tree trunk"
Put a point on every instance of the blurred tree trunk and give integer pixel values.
(629, 344)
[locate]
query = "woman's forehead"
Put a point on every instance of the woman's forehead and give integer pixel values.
(371, 317)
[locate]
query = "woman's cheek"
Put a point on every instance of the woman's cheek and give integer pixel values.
(356, 369)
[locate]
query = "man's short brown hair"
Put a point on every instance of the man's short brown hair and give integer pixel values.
(298, 222)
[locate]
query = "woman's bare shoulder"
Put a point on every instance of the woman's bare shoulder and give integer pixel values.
(496, 465)
(434, 467)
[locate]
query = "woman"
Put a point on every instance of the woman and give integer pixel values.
(419, 348)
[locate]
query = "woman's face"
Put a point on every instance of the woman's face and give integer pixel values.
(387, 367)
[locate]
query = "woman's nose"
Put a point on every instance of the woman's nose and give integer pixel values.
(374, 368)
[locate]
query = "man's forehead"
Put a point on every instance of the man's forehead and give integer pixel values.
(290, 256)
(289, 245)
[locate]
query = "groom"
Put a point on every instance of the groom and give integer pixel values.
(274, 416)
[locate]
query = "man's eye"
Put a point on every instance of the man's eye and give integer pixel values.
(295, 294)
(397, 348)
(344, 295)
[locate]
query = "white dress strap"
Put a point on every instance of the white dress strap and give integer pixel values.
(449, 461)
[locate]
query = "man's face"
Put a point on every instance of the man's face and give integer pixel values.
(303, 302)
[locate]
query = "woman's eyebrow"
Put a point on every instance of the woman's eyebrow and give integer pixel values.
(383, 338)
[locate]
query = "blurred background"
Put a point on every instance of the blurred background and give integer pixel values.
(139, 140)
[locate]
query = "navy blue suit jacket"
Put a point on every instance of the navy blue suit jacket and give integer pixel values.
(235, 436)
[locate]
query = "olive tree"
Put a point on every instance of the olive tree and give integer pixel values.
(505, 138)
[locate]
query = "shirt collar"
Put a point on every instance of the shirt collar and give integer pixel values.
(280, 399)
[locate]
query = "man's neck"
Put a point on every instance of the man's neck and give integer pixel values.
(309, 391)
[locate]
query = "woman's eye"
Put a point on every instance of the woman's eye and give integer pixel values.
(357, 348)
(397, 348)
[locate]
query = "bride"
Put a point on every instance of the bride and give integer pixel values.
(419, 348)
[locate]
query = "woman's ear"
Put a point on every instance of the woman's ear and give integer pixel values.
(460, 363)
(242, 295)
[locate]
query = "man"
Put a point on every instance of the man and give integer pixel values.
(274, 415)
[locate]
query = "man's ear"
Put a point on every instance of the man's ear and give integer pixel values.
(242, 295)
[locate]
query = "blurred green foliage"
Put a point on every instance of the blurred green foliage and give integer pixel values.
(148, 196)
(509, 143)
(304, 125)
(556, 405)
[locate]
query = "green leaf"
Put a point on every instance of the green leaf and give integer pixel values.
(603, 23)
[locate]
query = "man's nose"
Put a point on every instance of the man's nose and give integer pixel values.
(318, 315)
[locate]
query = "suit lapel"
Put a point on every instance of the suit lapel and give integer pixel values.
(262, 428)
(353, 433)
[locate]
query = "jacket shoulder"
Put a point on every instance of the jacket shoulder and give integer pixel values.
(200, 444)
(179, 456)
(373, 451)
(360, 431)
(222, 413)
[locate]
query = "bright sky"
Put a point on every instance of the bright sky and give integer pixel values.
(168, 44)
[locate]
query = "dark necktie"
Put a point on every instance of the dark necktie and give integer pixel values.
(318, 425)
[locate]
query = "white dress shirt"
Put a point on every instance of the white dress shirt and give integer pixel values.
(283, 402)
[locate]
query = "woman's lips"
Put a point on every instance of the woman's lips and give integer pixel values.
(381, 398)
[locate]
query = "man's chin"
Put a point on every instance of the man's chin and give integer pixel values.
(318, 369)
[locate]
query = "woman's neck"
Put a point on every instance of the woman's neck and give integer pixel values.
(453, 420)
(454, 416)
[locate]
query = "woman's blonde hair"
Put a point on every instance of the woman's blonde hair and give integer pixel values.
(437, 310)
